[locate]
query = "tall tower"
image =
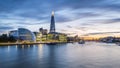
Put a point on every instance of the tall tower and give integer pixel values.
(52, 25)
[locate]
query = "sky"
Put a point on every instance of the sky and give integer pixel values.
(82, 17)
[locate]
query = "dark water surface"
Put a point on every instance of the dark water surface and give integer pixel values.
(89, 55)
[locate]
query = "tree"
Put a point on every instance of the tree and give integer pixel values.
(4, 38)
(12, 39)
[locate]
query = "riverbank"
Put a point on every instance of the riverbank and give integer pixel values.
(3, 44)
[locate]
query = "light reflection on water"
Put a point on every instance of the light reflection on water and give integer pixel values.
(89, 55)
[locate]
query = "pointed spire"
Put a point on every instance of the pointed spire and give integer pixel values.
(52, 25)
(53, 13)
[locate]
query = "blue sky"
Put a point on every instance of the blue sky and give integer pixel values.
(71, 16)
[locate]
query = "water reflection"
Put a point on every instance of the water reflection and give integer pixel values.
(40, 50)
(24, 46)
(89, 55)
(8, 48)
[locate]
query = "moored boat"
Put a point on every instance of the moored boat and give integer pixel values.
(81, 42)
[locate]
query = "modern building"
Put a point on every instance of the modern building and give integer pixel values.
(38, 36)
(14, 34)
(26, 35)
(52, 25)
(59, 37)
(53, 35)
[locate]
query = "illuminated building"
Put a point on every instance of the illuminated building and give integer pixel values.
(38, 36)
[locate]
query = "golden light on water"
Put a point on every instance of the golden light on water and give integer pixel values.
(40, 50)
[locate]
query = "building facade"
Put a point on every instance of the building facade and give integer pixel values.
(14, 34)
(26, 35)
(38, 36)
(43, 31)
(52, 25)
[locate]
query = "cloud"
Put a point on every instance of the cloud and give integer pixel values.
(4, 29)
(77, 15)
(10, 5)
(69, 14)
(69, 26)
(115, 20)
(104, 21)
(99, 33)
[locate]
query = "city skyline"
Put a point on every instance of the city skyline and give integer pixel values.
(76, 16)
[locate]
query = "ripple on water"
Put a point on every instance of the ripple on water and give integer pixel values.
(88, 55)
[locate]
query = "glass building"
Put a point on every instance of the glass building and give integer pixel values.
(26, 35)
(14, 34)
(52, 25)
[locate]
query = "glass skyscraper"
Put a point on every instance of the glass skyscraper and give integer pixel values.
(52, 25)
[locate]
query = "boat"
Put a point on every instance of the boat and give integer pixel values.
(118, 43)
(81, 42)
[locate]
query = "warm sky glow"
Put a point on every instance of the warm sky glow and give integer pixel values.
(72, 16)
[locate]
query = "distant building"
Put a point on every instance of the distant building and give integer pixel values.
(26, 35)
(43, 31)
(73, 39)
(109, 39)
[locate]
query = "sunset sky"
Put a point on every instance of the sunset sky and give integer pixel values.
(83, 17)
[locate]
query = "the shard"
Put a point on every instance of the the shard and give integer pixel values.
(52, 25)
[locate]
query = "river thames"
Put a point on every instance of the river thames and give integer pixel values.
(71, 55)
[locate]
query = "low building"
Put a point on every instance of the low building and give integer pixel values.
(38, 37)
(60, 37)
(43, 31)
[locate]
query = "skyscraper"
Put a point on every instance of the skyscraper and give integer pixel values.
(52, 25)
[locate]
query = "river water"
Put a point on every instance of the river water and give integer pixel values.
(71, 55)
